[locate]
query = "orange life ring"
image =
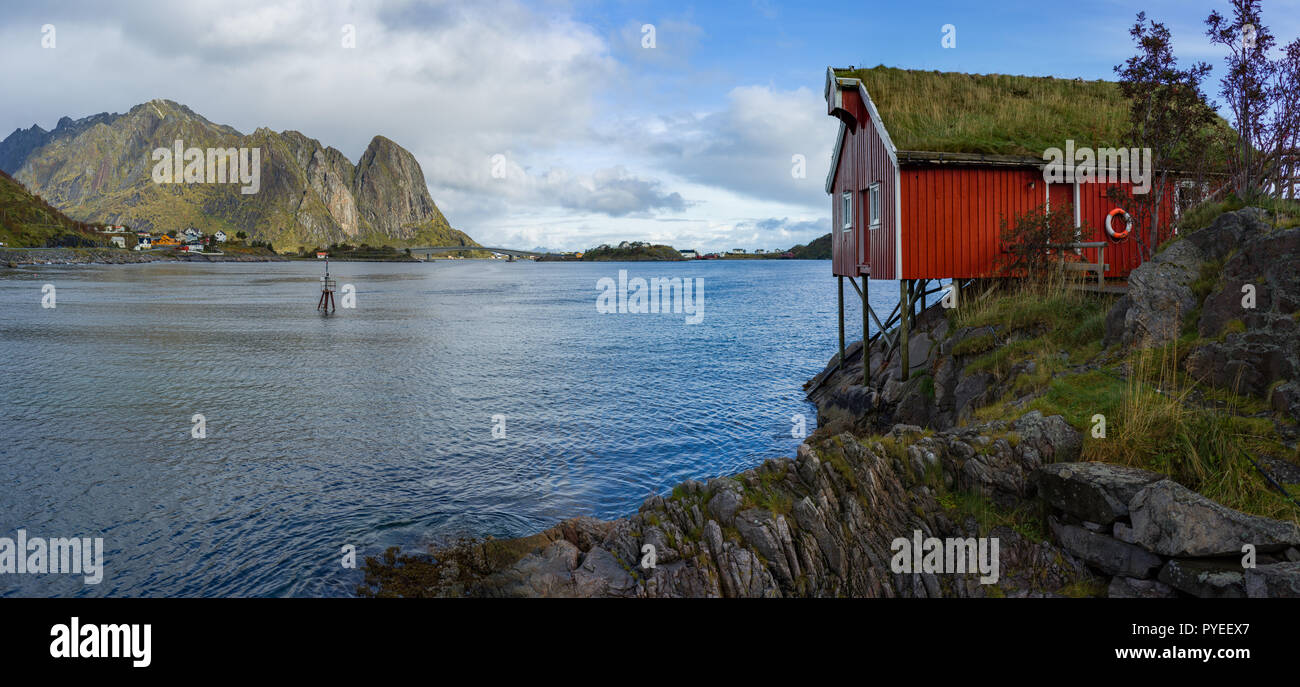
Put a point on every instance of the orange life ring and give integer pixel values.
(1128, 224)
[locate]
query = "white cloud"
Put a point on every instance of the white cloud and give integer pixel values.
(455, 83)
(748, 147)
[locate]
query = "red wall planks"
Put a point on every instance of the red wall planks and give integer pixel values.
(952, 219)
(863, 160)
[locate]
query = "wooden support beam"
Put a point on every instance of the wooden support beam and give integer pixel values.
(855, 287)
(841, 280)
(866, 340)
(905, 303)
(883, 329)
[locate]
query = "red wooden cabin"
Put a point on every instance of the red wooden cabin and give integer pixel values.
(928, 202)
(937, 214)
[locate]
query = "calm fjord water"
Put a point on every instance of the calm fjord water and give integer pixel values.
(373, 427)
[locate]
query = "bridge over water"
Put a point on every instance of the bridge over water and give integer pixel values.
(429, 250)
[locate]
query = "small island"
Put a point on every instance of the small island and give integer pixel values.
(631, 251)
(641, 251)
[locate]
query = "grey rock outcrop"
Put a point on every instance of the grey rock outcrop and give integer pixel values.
(1250, 321)
(1160, 291)
(1130, 588)
(1250, 334)
(1094, 492)
(1172, 520)
(1275, 580)
(1205, 579)
(1105, 553)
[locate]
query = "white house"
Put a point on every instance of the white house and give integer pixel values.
(690, 254)
(220, 236)
(119, 241)
(193, 234)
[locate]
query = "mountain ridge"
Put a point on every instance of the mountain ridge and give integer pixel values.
(99, 169)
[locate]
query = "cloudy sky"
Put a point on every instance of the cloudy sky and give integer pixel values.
(597, 133)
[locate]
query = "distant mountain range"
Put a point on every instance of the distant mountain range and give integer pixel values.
(101, 169)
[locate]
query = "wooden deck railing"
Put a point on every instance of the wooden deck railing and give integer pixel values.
(1099, 267)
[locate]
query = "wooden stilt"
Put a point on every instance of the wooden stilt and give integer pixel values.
(904, 326)
(866, 338)
(841, 281)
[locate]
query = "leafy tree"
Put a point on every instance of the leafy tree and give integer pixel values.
(1263, 94)
(1167, 114)
(1032, 242)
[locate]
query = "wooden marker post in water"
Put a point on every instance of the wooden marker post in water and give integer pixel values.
(327, 286)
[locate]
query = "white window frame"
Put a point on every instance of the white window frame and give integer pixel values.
(846, 209)
(873, 205)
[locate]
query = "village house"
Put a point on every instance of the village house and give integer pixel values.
(690, 254)
(220, 236)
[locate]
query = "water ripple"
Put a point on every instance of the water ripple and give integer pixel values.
(373, 428)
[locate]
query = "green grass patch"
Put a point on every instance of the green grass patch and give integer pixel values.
(1208, 450)
(975, 344)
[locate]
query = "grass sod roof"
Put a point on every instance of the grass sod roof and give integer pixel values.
(993, 114)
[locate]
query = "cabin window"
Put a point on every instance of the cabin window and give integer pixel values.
(873, 204)
(846, 211)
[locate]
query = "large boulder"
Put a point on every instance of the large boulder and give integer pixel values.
(1172, 520)
(1251, 319)
(1160, 295)
(1050, 437)
(1160, 291)
(1205, 579)
(1276, 580)
(1105, 553)
(1095, 492)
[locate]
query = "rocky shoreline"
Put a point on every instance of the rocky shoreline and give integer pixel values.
(114, 256)
(825, 525)
(903, 458)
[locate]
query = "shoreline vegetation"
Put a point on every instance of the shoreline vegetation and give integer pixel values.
(99, 255)
(639, 251)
